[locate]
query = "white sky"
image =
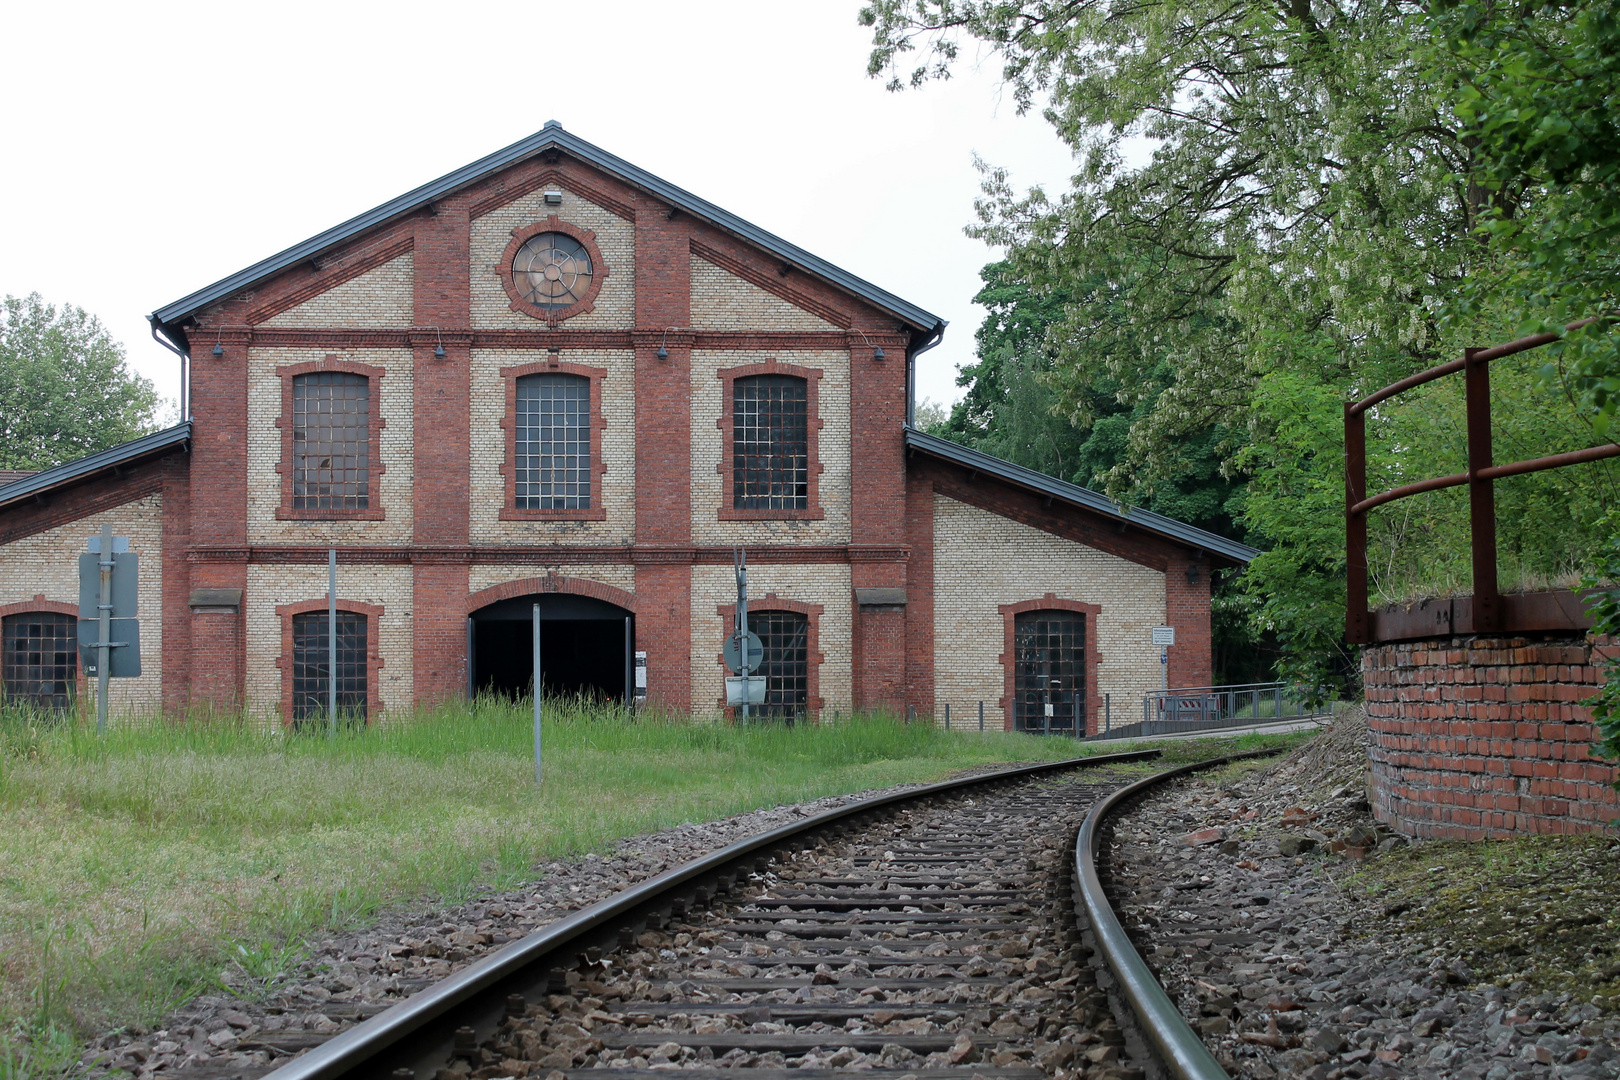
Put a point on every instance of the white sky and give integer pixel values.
(155, 148)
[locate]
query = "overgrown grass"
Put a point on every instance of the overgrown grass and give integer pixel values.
(135, 866)
(1540, 909)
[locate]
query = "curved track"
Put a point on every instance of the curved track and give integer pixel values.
(930, 930)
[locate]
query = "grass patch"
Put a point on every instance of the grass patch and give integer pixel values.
(1539, 910)
(139, 864)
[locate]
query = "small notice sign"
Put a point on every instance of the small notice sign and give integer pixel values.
(1164, 635)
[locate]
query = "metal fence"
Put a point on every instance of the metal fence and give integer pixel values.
(1206, 708)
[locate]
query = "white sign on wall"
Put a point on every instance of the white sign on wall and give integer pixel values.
(1164, 635)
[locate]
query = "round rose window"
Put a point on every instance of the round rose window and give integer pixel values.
(552, 270)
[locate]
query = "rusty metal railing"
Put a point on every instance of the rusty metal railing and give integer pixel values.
(1485, 613)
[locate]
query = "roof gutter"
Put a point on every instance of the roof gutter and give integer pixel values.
(935, 336)
(185, 368)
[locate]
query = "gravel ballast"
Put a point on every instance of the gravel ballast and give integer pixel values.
(1251, 893)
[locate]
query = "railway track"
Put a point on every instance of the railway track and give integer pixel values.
(941, 931)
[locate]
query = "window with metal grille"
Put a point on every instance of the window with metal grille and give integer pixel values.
(552, 451)
(39, 659)
(786, 664)
(1049, 651)
(331, 441)
(312, 662)
(770, 461)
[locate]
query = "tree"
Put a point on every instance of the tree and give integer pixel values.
(1538, 86)
(1277, 208)
(66, 386)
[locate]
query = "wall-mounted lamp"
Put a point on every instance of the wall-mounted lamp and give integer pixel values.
(219, 346)
(1192, 573)
(438, 350)
(663, 344)
(877, 350)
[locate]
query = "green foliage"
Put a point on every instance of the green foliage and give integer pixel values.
(1014, 410)
(1278, 208)
(1604, 606)
(1538, 89)
(67, 389)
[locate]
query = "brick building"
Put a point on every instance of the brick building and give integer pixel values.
(552, 377)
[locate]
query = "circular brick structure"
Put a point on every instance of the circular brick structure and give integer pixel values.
(1475, 737)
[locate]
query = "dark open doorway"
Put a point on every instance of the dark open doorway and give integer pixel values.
(587, 647)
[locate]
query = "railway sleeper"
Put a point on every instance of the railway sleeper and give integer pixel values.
(830, 957)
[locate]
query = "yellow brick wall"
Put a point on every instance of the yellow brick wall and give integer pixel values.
(488, 493)
(982, 560)
(615, 304)
(723, 301)
(393, 487)
(381, 298)
(710, 490)
(826, 584)
(47, 563)
(268, 586)
(620, 577)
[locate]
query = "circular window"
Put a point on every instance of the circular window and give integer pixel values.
(552, 270)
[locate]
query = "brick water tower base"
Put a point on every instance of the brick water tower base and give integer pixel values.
(1476, 737)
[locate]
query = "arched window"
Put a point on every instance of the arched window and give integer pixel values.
(786, 666)
(311, 663)
(39, 659)
(1049, 650)
(552, 443)
(770, 461)
(331, 441)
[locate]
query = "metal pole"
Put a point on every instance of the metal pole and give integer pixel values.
(331, 642)
(1108, 713)
(1357, 626)
(741, 558)
(104, 617)
(537, 693)
(981, 716)
(947, 716)
(1481, 493)
(629, 667)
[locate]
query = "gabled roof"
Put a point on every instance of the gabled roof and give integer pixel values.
(153, 445)
(1169, 528)
(551, 136)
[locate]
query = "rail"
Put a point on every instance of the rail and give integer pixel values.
(1177, 1044)
(416, 1036)
(1486, 612)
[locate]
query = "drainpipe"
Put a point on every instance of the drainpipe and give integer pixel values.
(185, 372)
(933, 338)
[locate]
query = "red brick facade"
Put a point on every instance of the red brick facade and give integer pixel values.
(1486, 737)
(888, 659)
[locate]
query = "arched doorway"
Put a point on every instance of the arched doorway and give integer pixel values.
(587, 647)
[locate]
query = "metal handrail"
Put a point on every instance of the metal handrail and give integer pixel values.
(1487, 600)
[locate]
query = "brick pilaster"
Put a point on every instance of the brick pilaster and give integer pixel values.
(441, 454)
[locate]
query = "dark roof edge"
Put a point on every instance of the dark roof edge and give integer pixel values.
(1170, 528)
(90, 464)
(552, 134)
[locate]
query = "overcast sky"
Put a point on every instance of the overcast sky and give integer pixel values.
(155, 148)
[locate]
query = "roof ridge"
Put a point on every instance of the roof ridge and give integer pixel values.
(552, 134)
(1180, 531)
